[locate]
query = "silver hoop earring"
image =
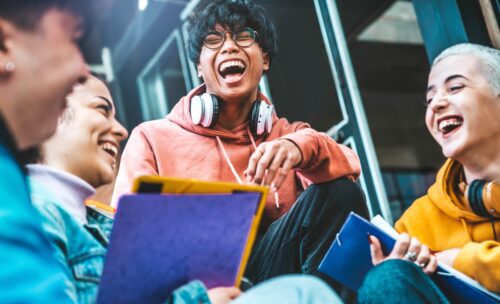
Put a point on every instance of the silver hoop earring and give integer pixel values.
(9, 67)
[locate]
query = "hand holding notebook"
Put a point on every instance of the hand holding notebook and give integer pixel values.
(349, 260)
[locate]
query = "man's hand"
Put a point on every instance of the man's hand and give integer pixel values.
(223, 295)
(448, 256)
(406, 248)
(271, 162)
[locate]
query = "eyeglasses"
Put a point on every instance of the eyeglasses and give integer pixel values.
(216, 39)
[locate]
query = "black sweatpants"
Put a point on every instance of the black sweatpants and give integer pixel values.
(298, 241)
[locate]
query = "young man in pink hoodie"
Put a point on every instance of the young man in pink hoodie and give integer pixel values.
(233, 134)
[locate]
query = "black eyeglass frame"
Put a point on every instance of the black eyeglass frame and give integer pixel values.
(223, 33)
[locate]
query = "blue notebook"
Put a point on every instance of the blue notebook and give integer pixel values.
(348, 261)
(160, 242)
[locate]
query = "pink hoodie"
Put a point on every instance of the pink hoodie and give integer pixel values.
(175, 147)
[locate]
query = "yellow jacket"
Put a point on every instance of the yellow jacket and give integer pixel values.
(441, 221)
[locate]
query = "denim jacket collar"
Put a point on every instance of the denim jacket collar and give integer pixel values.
(72, 191)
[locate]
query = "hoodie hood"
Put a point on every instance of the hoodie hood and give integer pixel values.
(443, 193)
(181, 116)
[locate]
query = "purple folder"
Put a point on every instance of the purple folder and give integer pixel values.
(160, 242)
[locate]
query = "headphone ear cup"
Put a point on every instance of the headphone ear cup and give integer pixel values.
(209, 110)
(254, 118)
(215, 110)
(196, 110)
(269, 118)
(475, 198)
(262, 117)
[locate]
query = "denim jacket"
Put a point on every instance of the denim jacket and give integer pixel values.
(81, 242)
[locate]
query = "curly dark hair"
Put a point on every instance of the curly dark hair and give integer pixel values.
(235, 15)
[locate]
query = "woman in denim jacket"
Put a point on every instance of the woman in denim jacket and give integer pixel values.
(80, 157)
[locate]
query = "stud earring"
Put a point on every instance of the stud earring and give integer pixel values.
(9, 67)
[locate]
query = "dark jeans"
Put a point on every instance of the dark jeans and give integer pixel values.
(298, 241)
(399, 281)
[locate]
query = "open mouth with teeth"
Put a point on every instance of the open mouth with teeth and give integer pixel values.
(450, 124)
(232, 70)
(109, 148)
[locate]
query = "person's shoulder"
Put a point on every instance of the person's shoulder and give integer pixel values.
(156, 123)
(152, 127)
(421, 205)
(419, 211)
(284, 125)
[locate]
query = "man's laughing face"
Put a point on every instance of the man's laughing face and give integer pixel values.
(232, 72)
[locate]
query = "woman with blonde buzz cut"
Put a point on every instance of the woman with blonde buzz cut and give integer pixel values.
(458, 222)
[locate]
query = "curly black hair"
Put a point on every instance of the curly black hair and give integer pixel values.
(235, 15)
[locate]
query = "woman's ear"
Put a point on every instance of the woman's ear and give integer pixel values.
(2, 44)
(7, 31)
(3, 36)
(265, 62)
(200, 74)
(7, 65)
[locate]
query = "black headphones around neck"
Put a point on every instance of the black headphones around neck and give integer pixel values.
(483, 197)
(204, 110)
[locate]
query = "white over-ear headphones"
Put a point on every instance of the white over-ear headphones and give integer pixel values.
(205, 110)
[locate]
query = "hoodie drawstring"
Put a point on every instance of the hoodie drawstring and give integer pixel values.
(228, 161)
(233, 170)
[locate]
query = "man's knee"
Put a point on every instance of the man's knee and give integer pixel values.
(397, 281)
(342, 193)
(314, 290)
(290, 289)
(389, 271)
(384, 277)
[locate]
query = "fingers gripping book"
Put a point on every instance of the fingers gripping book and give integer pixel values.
(348, 261)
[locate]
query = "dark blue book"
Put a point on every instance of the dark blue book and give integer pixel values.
(348, 261)
(160, 242)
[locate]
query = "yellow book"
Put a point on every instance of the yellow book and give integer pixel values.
(172, 185)
(102, 208)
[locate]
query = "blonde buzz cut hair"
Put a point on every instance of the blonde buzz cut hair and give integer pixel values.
(489, 61)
